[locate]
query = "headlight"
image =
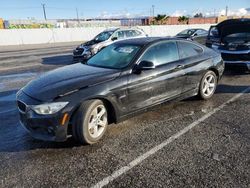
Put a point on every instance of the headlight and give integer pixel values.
(50, 108)
(94, 50)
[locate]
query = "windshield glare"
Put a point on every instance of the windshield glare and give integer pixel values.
(115, 56)
(103, 36)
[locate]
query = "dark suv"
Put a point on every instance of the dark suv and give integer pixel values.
(232, 39)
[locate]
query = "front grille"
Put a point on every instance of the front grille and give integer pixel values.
(21, 106)
(78, 51)
(235, 57)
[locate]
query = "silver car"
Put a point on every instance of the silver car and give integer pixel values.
(103, 39)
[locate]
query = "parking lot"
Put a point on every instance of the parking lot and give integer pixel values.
(190, 143)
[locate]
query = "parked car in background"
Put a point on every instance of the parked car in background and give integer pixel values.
(198, 35)
(124, 78)
(232, 39)
(105, 38)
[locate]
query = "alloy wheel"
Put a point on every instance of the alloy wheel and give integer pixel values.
(98, 121)
(209, 85)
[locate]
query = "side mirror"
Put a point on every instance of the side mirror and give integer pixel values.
(195, 34)
(215, 33)
(114, 38)
(144, 65)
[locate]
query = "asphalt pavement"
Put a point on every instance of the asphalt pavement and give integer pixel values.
(190, 143)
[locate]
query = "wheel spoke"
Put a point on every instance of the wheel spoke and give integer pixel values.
(102, 112)
(102, 123)
(206, 82)
(94, 113)
(211, 85)
(204, 89)
(210, 78)
(95, 130)
(208, 91)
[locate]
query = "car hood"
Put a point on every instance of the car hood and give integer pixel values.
(67, 79)
(229, 27)
(90, 43)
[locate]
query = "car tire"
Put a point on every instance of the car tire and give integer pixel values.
(208, 85)
(90, 122)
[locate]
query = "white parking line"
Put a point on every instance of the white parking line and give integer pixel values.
(152, 151)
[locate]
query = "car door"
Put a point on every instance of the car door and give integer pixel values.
(163, 82)
(194, 62)
(119, 35)
(200, 36)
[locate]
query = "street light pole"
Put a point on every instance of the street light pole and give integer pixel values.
(226, 10)
(77, 16)
(44, 12)
(153, 10)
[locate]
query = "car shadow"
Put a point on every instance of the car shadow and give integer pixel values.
(58, 60)
(223, 88)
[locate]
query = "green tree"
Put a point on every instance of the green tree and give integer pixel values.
(198, 15)
(183, 19)
(160, 18)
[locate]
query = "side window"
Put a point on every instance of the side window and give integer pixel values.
(137, 33)
(201, 32)
(187, 49)
(161, 53)
(132, 33)
(129, 33)
(119, 35)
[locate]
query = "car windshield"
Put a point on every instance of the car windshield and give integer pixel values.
(115, 56)
(238, 37)
(187, 32)
(103, 36)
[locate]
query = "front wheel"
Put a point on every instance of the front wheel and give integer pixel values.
(208, 85)
(90, 122)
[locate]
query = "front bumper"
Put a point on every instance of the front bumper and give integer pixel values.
(41, 127)
(238, 65)
(235, 59)
(82, 58)
(81, 55)
(44, 128)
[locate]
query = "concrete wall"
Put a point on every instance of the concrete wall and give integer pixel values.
(44, 36)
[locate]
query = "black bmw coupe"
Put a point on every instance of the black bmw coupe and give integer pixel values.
(124, 78)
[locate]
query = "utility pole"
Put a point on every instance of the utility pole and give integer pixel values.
(153, 10)
(226, 10)
(44, 12)
(77, 16)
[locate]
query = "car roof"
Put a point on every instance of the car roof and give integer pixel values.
(122, 29)
(112, 29)
(147, 40)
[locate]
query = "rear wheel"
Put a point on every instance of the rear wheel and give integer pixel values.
(90, 122)
(208, 85)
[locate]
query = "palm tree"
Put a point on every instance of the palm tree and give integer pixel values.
(183, 19)
(160, 18)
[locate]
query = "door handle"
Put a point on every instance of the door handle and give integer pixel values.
(179, 66)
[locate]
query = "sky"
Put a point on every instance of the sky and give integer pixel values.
(55, 9)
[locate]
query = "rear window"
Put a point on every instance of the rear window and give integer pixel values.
(187, 49)
(132, 33)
